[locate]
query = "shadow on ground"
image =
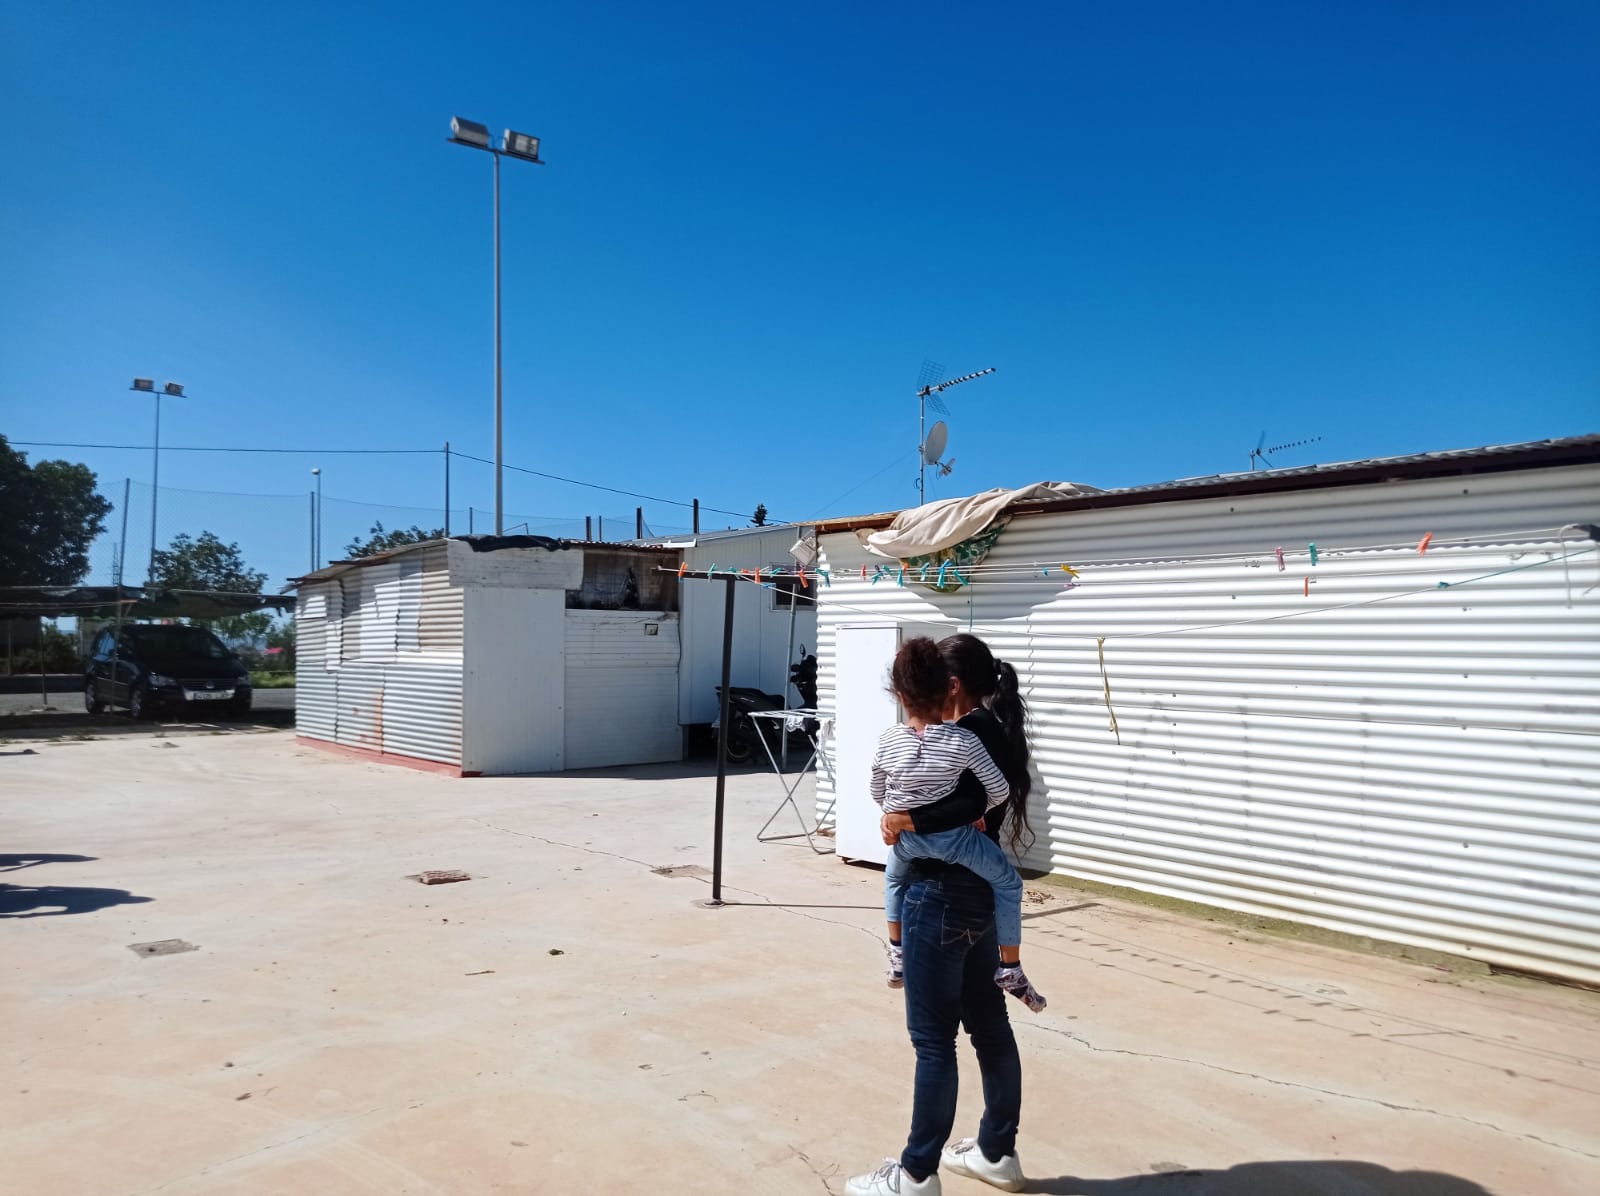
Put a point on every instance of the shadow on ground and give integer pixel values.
(13, 861)
(50, 901)
(77, 724)
(1311, 1178)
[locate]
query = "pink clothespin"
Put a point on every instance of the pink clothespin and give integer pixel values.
(1278, 552)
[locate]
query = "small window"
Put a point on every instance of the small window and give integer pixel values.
(788, 592)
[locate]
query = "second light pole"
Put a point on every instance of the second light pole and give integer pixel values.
(517, 145)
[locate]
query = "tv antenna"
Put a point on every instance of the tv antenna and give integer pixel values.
(1263, 454)
(928, 452)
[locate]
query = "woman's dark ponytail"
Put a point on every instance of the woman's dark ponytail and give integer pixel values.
(994, 683)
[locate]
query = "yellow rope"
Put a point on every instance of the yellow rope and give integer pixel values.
(1100, 643)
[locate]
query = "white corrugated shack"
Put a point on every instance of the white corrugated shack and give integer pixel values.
(771, 624)
(1399, 740)
(493, 655)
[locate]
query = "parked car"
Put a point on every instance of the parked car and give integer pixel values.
(154, 667)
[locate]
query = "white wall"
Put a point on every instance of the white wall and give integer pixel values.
(761, 630)
(1413, 763)
(621, 688)
(514, 684)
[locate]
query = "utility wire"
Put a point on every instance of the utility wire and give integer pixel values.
(554, 477)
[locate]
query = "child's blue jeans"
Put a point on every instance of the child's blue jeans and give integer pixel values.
(966, 847)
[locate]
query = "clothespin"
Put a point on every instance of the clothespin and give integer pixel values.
(877, 574)
(712, 571)
(942, 569)
(683, 567)
(956, 571)
(827, 578)
(1308, 587)
(923, 576)
(804, 583)
(1069, 569)
(1422, 546)
(758, 575)
(1044, 572)
(1313, 548)
(1278, 552)
(863, 573)
(902, 575)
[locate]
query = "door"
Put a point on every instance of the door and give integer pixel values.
(863, 708)
(513, 707)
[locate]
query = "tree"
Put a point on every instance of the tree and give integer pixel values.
(759, 519)
(207, 563)
(49, 515)
(382, 541)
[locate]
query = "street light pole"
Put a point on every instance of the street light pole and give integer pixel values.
(316, 550)
(517, 145)
(171, 390)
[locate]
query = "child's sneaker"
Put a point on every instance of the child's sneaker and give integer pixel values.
(1015, 981)
(896, 975)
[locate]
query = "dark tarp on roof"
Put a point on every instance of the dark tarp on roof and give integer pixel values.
(135, 602)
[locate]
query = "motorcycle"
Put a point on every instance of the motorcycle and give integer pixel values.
(743, 699)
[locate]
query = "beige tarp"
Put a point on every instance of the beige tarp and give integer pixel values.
(937, 525)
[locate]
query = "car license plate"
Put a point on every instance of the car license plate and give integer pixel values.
(207, 695)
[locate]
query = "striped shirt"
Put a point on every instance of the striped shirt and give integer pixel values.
(912, 770)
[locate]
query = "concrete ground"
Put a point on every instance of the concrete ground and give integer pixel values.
(570, 1020)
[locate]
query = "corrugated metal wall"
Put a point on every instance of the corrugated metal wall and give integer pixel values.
(384, 673)
(314, 687)
(1409, 762)
(621, 688)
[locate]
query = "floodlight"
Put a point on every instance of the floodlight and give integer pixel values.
(144, 384)
(469, 132)
(520, 145)
(173, 390)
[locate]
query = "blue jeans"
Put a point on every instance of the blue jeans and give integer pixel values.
(950, 957)
(968, 848)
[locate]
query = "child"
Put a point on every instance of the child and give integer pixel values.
(919, 762)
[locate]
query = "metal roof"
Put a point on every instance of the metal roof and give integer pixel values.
(1535, 454)
(479, 543)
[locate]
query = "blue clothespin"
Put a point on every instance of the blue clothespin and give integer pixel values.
(1313, 548)
(960, 581)
(942, 569)
(827, 578)
(923, 576)
(712, 571)
(877, 574)
(902, 575)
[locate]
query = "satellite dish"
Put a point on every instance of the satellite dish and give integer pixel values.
(933, 447)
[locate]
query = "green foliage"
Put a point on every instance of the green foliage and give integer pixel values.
(49, 515)
(273, 679)
(207, 563)
(759, 519)
(55, 652)
(382, 541)
(282, 636)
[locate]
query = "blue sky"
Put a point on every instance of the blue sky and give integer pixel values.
(1169, 226)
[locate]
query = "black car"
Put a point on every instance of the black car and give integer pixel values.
(153, 667)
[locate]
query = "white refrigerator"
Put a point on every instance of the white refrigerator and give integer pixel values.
(863, 708)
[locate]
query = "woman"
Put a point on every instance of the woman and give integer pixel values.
(951, 952)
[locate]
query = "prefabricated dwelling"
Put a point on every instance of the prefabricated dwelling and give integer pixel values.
(488, 655)
(1364, 696)
(771, 623)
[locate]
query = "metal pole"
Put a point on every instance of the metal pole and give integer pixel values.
(922, 439)
(601, 519)
(588, 527)
(469, 521)
(311, 534)
(499, 511)
(638, 523)
(447, 489)
(44, 693)
(722, 740)
(122, 547)
(794, 601)
(319, 518)
(155, 490)
(697, 516)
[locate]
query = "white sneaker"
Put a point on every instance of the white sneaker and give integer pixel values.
(891, 1180)
(964, 1158)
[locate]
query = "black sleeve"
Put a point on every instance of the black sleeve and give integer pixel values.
(969, 802)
